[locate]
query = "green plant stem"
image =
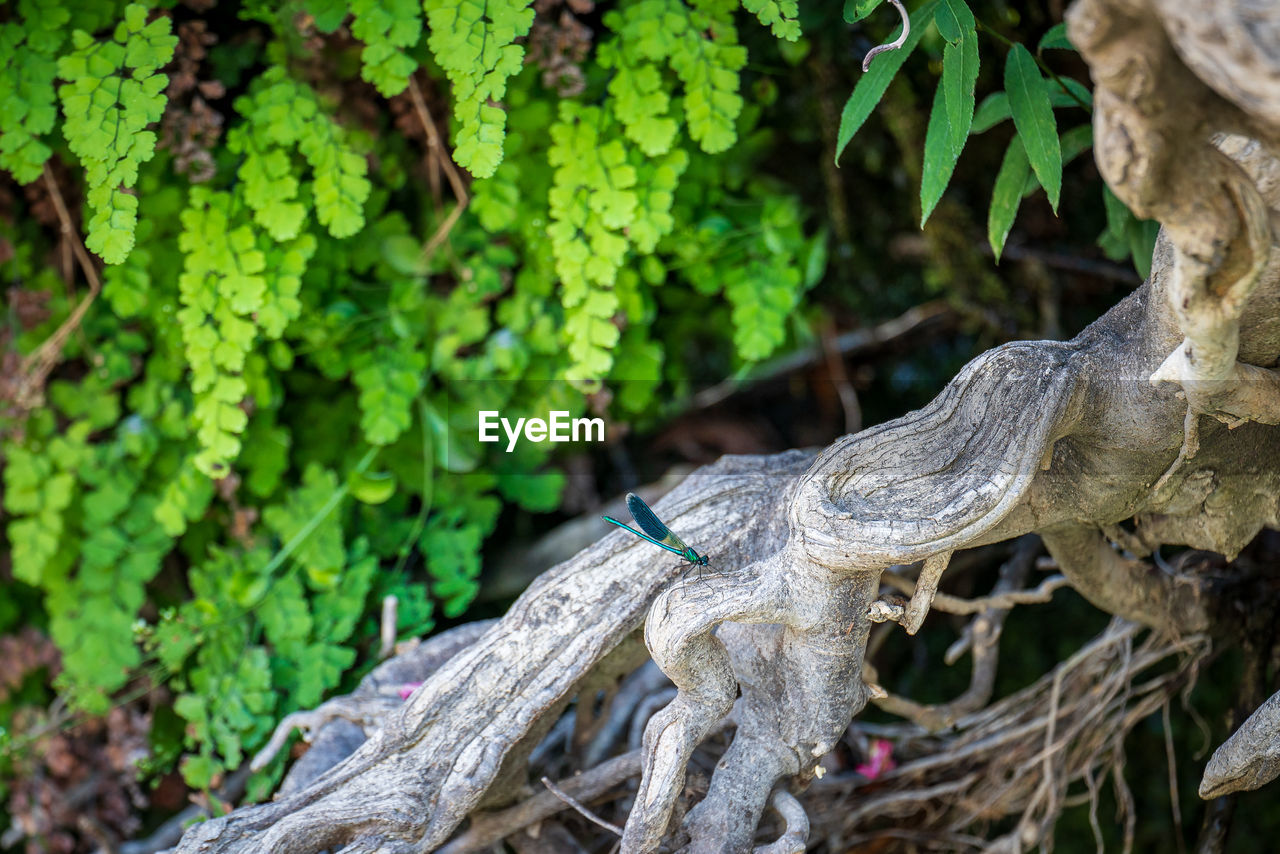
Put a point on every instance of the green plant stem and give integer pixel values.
(428, 482)
(314, 522)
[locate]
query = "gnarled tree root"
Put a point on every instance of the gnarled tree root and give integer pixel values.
(435, 760)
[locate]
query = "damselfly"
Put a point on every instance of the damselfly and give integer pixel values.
(652, 529)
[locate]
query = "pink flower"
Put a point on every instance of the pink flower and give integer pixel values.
(408, 688)
(881, 760)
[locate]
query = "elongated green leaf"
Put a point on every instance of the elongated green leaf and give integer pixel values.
(1056, 38)
(1126, 235)
(951, 116)
(1076, 93)
(995, 107)
(1116, 209)
(1033, 116)
(992, 111)
(959, 75)
(954, 20)
(939, 157)
(870, 88)
(1074, 143)
(856, 10)
(1006, 195)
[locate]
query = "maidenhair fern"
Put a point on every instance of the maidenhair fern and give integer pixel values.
(37, 493)
(388, 28)
(239, 285)
(474, 42)
(113, 91)
(657, 180)
(235, 286)
(82, 530)
(302, 515)
(699, 44)
(31, 41)
(592, 201)
(220, 410)
(778, 15)
(707, 63)
(389, 379)
(28, 108)
(281, 116)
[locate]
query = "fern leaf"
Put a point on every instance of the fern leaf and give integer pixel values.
(699, 44)
(474, 42)
(235, 287)
(778, 15)
(387, 28)
(283, 116)
(708, 67)
(593, 201)
(389, 379)
(113, 91)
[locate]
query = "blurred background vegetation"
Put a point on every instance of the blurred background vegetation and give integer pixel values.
(247, 416)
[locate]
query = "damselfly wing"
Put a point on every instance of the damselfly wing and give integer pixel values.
(653, 530)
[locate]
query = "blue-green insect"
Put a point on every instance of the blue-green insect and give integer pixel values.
(652, 529)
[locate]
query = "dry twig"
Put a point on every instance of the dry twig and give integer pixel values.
(910, 322)
(365, 712)
(440, 155)
(840, 379)
(581, 810)
(488, 829)
(981, 637)
(36, 367)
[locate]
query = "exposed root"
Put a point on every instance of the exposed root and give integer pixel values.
(981, 637)
(1019, 756)
(1029, 755)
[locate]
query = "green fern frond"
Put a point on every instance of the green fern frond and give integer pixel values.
(474, 42)
(281, 116)
(235, 287)
(778, 15)
(113, 91)
(699, 43)
(388, 28)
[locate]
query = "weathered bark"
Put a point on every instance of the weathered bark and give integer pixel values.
(1250, 758)
(1199, 70)
(1161, 416)
(411, 784)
